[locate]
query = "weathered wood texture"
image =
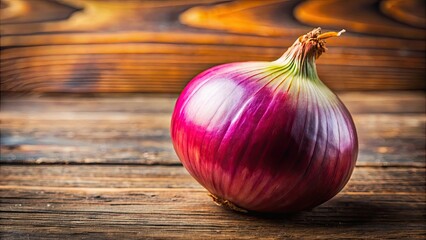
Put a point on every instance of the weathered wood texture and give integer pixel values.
(125, 181)
(158, 46)
(135, 129)
(98, 202)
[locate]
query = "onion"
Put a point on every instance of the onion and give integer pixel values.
(266, 136)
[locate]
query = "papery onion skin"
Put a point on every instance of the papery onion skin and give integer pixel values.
(266, 136)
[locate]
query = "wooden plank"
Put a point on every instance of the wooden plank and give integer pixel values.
(100, 177)
(98, 202)
(351, 217)
(135, 129)
(158, 46)
(384, 140)
(357, 102)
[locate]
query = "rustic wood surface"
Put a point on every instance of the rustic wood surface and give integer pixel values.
(135, 129)
(158, 46)
(98, 202)
(103, 167)
(92, 164)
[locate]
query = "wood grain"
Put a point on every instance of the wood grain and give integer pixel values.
(135, 129)
(360, 16)
(164, 202)
(102, 166)
(115, 177)
(409, 12)
(158, 46)
(123, 180)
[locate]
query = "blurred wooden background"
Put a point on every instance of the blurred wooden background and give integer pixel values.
(158, 46)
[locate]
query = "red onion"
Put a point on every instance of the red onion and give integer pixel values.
(266, 136)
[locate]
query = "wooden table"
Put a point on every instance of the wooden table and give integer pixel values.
(94, 166)
(103, 167)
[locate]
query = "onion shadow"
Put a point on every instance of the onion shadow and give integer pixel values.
(340, 211)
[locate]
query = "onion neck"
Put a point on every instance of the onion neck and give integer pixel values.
(301, 56)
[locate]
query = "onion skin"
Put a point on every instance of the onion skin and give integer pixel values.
(266, 136)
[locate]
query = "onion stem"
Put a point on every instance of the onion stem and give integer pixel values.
(330, 34)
